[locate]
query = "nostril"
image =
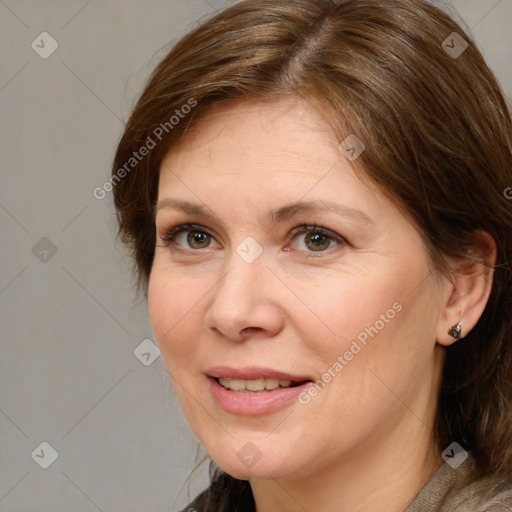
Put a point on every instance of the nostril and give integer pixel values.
(250, 330)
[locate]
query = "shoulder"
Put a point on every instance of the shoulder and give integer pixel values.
(225, 494)
(459, 489)
(489, 494)
(449, 490)
(198, 504)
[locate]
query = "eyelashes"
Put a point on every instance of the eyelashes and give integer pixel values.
(316, 239)
(170, 234)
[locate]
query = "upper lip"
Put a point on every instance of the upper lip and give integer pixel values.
(253, 373)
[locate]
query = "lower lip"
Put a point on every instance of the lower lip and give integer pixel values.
(254, 403)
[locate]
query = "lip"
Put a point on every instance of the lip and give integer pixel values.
(252, 404)
(253, 372)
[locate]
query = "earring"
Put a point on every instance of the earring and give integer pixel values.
(455, 331)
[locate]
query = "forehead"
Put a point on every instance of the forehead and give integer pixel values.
(246, 161)
(255, 165)
(255, 160)
(264, 143)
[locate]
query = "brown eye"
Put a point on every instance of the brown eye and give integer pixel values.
(187, 236)
(318, 242)
(316, 239)
(198, 239)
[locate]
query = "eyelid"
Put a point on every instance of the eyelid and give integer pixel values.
(170, 233)
(308, 228)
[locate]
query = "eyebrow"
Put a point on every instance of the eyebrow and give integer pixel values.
(280, 215)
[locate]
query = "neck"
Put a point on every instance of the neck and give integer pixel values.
(386, 475)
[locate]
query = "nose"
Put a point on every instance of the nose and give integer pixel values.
(245, 302)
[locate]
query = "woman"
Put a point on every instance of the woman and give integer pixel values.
(317, 215)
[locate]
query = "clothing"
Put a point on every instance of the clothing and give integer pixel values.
(457, 490)
(449, 490)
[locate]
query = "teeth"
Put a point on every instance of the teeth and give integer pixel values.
(256, 385)
(272, 383)
(235, 384)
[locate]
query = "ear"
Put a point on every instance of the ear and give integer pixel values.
(470, 290)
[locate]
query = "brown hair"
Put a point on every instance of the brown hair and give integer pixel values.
(438, 137)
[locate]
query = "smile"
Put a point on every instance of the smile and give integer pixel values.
(255, 385)
(254, 391)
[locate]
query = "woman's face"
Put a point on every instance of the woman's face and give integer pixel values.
(250, 290)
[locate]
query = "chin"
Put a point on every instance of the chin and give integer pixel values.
(245, 461)
(241, 471)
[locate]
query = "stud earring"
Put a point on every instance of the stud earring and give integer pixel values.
(455, 331)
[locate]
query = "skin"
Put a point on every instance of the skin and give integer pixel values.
(365, 441)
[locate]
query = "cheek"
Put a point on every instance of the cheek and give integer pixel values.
(355, 308)
(384, 317)
(175, 312)
(386, 340)
(171, 311)
(159, 305)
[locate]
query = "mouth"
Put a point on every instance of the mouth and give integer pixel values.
(253, 391)
(260, 385)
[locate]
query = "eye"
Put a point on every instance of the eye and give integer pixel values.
(316, 239)
(194, 236)
(187, 236)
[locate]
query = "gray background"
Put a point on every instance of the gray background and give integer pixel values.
(70, 322)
